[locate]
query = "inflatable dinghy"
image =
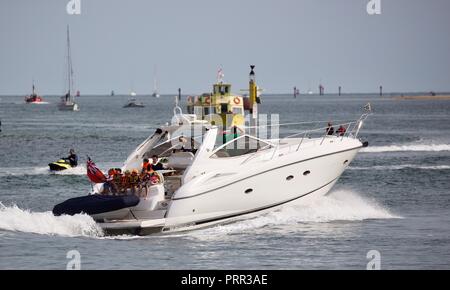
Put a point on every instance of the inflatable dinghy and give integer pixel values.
(94, 204)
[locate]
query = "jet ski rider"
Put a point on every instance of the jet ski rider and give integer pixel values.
(72, 158)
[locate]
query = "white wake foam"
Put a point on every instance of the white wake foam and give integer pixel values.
(79, 170)
(44, 170)
(20, 171)
(341, 205)
(12, 218)
(407, 147)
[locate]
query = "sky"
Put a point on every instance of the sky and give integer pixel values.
(116, 45)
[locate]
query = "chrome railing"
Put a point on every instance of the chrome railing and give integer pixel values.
(351, 131)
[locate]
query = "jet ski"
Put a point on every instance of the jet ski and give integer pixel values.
(59, 165)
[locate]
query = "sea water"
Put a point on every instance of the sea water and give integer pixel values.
(394, 198)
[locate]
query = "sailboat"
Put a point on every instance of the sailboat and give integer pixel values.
(67, 101)
(155, 87)
(155, 92)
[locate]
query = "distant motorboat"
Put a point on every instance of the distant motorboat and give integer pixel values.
(112, 93)
(133, 103)
(34, 98)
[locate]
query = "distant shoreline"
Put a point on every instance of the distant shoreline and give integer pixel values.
(423, 97)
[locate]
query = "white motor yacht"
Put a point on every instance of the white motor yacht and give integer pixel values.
(210, 177)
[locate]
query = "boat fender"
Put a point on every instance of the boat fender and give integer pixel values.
(365, 143)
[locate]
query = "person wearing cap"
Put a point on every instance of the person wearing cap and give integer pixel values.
(125, 181)
(134, 181)
(117, 179)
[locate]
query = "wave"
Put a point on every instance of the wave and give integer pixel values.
(407, 147)
(399, 167)
(340, 205)
(13, 218)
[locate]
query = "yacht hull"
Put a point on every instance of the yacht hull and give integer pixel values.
(281, 184)
(68, 107)
(148, 227)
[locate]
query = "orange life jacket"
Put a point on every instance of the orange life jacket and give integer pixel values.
(146, 166)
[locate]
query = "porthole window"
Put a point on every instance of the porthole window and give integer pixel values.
(249, 190)
(290, 177)
(306, 172)
(345, 162)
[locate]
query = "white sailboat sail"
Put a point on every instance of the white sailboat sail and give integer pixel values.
(67, 101)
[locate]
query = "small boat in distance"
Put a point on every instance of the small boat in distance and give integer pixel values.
(133, 103)
(112, 93)
(155, 93)
(77, 94)
(67, 102)
(33, 98)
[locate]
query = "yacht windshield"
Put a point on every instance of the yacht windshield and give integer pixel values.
(240, 146)
(181, 140)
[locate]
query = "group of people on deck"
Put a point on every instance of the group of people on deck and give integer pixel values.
(133, 182)
(340, 131)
